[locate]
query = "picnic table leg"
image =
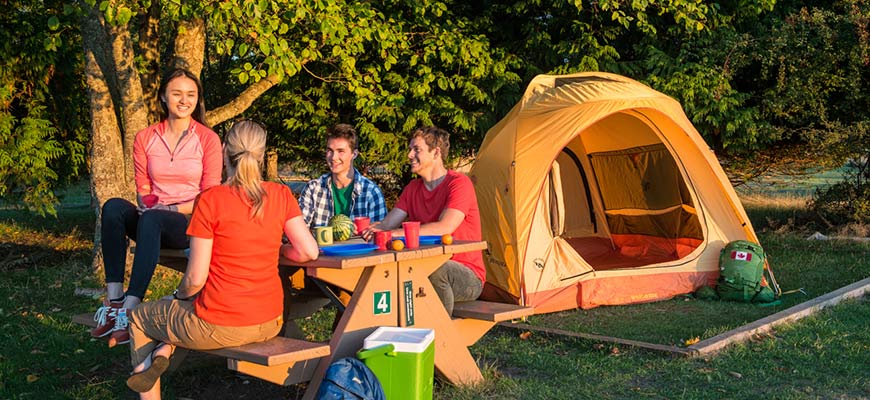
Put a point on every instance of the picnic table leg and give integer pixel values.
(423, 307)
(359, 319)
(299, 301)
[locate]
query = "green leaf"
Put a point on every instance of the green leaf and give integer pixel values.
(243, 77)
(124, 15)
(53, 23)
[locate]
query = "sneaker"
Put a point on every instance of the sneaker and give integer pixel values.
(120, 334)
(105, 318)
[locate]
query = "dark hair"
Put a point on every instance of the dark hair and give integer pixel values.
(343, 131)
(434, 137)
(198, 111)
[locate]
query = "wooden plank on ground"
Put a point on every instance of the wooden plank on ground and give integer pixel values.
(718, 342)
(599, 338)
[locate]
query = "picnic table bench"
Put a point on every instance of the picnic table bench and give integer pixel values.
(276, 352)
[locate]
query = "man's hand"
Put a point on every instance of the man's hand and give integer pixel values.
(369, 233)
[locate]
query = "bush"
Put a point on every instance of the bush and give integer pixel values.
(845, 202)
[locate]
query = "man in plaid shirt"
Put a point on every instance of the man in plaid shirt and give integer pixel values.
(344, 190)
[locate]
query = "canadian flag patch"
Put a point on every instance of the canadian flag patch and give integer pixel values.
(741, 256)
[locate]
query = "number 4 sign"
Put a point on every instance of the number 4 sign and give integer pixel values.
(382, 303)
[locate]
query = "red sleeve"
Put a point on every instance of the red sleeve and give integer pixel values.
(140, 161)
(212, 159)
(461, 195)
(201, 224)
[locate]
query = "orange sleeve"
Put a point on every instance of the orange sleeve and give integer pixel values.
(201, 225)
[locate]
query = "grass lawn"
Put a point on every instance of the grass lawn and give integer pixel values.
(44, 356)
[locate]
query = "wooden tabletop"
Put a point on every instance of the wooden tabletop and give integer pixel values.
(380, 257)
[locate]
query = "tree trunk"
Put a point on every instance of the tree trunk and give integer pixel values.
(134, 114)
(149, 51)
(272, 165)
(106, 148)
(190, 45)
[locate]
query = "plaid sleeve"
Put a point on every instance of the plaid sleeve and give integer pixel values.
(370, 201)
(314, 203)
(379, 206)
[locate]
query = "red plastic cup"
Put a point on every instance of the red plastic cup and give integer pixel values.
(412, 234)
(150, 200)
(361, 223)
(383, 239)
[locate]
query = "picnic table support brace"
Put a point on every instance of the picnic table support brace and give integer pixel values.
(330, 294)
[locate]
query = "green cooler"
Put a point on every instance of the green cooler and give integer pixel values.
(403, 359)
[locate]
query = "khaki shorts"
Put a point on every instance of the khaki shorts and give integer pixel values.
(175, 322)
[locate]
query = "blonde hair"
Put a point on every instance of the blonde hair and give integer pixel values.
(244, 148)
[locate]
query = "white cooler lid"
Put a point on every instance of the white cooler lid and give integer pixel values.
(406, 340)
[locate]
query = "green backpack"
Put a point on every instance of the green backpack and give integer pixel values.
(741, 274)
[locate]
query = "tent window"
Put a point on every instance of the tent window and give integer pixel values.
(644, 178)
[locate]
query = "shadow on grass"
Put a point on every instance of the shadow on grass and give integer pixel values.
(78, 218)
(14, 256)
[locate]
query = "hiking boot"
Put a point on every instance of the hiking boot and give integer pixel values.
(105, 318)
(120, 333)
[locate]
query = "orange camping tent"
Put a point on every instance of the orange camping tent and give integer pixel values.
(597, 190)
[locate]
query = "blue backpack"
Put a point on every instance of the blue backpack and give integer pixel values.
(350, 379)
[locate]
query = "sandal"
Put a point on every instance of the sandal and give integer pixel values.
(143, 381)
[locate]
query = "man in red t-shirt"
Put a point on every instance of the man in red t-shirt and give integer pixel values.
(444, 202)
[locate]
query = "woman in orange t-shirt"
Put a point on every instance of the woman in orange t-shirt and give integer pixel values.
(231, 294)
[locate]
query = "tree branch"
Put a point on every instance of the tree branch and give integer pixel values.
(242, 102)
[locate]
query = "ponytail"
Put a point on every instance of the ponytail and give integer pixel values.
(244, 148)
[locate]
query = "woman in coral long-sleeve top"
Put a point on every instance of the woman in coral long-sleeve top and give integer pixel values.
(175, 160)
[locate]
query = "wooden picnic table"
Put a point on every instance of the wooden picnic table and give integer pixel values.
(389, 288)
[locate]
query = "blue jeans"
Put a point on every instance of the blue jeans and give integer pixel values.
(151, 230)
(454, 282)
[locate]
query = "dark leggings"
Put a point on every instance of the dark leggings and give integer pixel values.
(151, 230)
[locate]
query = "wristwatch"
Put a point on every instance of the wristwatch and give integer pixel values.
(175, 296)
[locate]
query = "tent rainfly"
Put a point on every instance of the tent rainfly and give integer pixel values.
(597, 190)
